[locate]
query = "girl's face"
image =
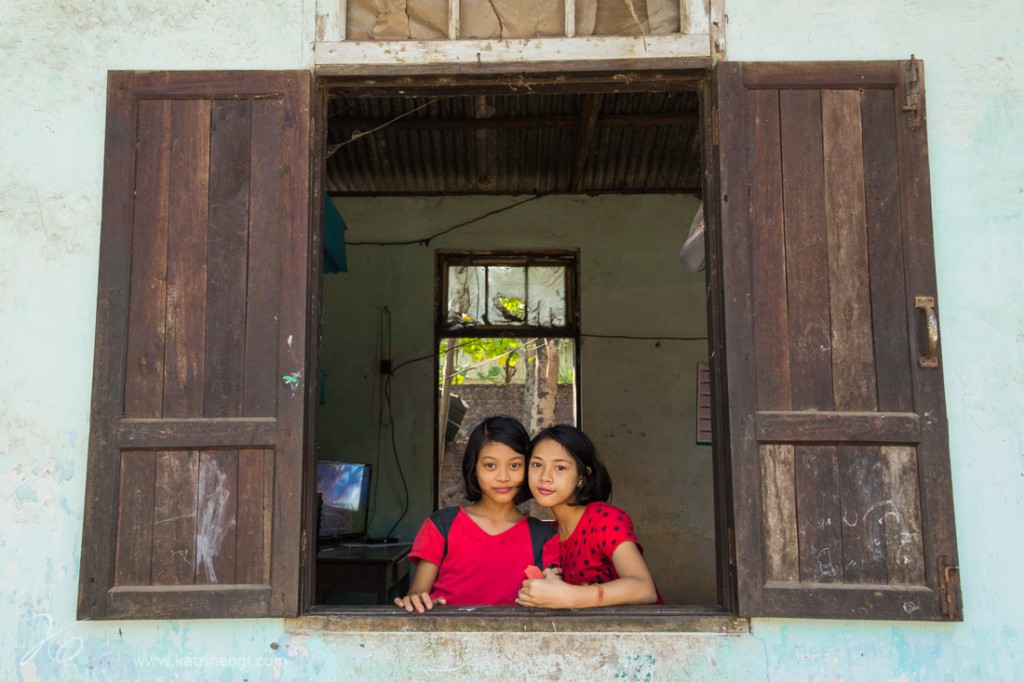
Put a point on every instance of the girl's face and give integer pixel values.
(500, 471)
(554, 476)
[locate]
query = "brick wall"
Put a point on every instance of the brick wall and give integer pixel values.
(486, 400)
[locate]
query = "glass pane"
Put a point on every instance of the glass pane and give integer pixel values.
(465, 296)
(546, 296)
(506, 288)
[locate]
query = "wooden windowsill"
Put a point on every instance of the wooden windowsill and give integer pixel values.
(645, 619)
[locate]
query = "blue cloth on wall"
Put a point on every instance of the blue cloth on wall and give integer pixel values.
(334, 239)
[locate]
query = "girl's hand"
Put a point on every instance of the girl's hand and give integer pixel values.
(550, 593)
(553, 572)
(419, 601)
(418, 598)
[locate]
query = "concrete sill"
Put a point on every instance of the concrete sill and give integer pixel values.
(644, 619)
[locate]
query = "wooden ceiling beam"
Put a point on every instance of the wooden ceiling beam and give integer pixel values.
(631, 120)
(586, 133)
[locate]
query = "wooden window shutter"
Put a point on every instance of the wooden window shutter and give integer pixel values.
(842, 502)
(194, 492)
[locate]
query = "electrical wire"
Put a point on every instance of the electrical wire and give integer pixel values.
(356, 134)
(645, 338)
(425, 241)
(595, 336)
(428, 356)
(398, 463)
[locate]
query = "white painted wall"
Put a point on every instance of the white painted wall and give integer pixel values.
(53, 59)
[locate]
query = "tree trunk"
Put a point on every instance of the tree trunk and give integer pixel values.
(442, 411)
(541, 384)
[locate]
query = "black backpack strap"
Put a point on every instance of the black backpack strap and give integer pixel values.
(442, 520)
(540, 533)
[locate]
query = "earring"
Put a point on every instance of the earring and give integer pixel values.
(580, 484)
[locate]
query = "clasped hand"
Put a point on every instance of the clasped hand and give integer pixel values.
(550, 592)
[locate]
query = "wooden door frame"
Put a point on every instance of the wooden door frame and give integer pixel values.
(543, 78)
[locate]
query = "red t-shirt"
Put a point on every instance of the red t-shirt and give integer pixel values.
(480, 568)
(586, 556)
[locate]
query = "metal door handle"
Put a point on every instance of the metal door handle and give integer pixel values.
(927, 304)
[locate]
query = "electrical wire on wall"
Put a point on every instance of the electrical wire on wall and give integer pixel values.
(425, 241)
(385, 411)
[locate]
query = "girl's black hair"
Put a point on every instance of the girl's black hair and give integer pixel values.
(505, 430)
(597, 483)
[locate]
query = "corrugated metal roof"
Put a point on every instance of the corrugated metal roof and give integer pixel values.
(514, 144)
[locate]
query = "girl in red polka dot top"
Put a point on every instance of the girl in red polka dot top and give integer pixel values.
(602, 563)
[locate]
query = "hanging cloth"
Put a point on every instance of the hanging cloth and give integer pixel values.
(334, 239)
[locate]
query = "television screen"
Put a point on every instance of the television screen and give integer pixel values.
(344, 494)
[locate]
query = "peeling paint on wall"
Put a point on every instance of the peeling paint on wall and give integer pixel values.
(54, 59)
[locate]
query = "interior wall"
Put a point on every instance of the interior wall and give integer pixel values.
(638, 396)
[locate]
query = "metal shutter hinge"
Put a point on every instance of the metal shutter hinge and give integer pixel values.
(949, 585)
(912, 84)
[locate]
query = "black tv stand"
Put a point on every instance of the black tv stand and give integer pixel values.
(382, 569)
(389, 540)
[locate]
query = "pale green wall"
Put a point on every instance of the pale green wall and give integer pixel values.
(974, 77)
(53, 59)
(638, 397)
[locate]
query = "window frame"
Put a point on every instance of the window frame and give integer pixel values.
(644, 619)
(446, 258)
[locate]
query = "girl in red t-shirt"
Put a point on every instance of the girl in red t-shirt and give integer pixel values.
(489, 542)
(602, 564)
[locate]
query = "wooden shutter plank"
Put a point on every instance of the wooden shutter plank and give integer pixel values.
(261, 333)
(186, 258)
(806, 250)
(853, 363)
(861, 477)
(216, 510)
(165, 488)
(148, 294)
(269, 500)
(830, 600)
(854, 470)
(885, 248)
(819, 75)
(865, 427)
(782, 562)
(134, 549)
(767, 243)
(901, 517)
(231, 124)
(251, 504)
(818, 514)
(205, 601)
(174, 518)
(206, 433)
